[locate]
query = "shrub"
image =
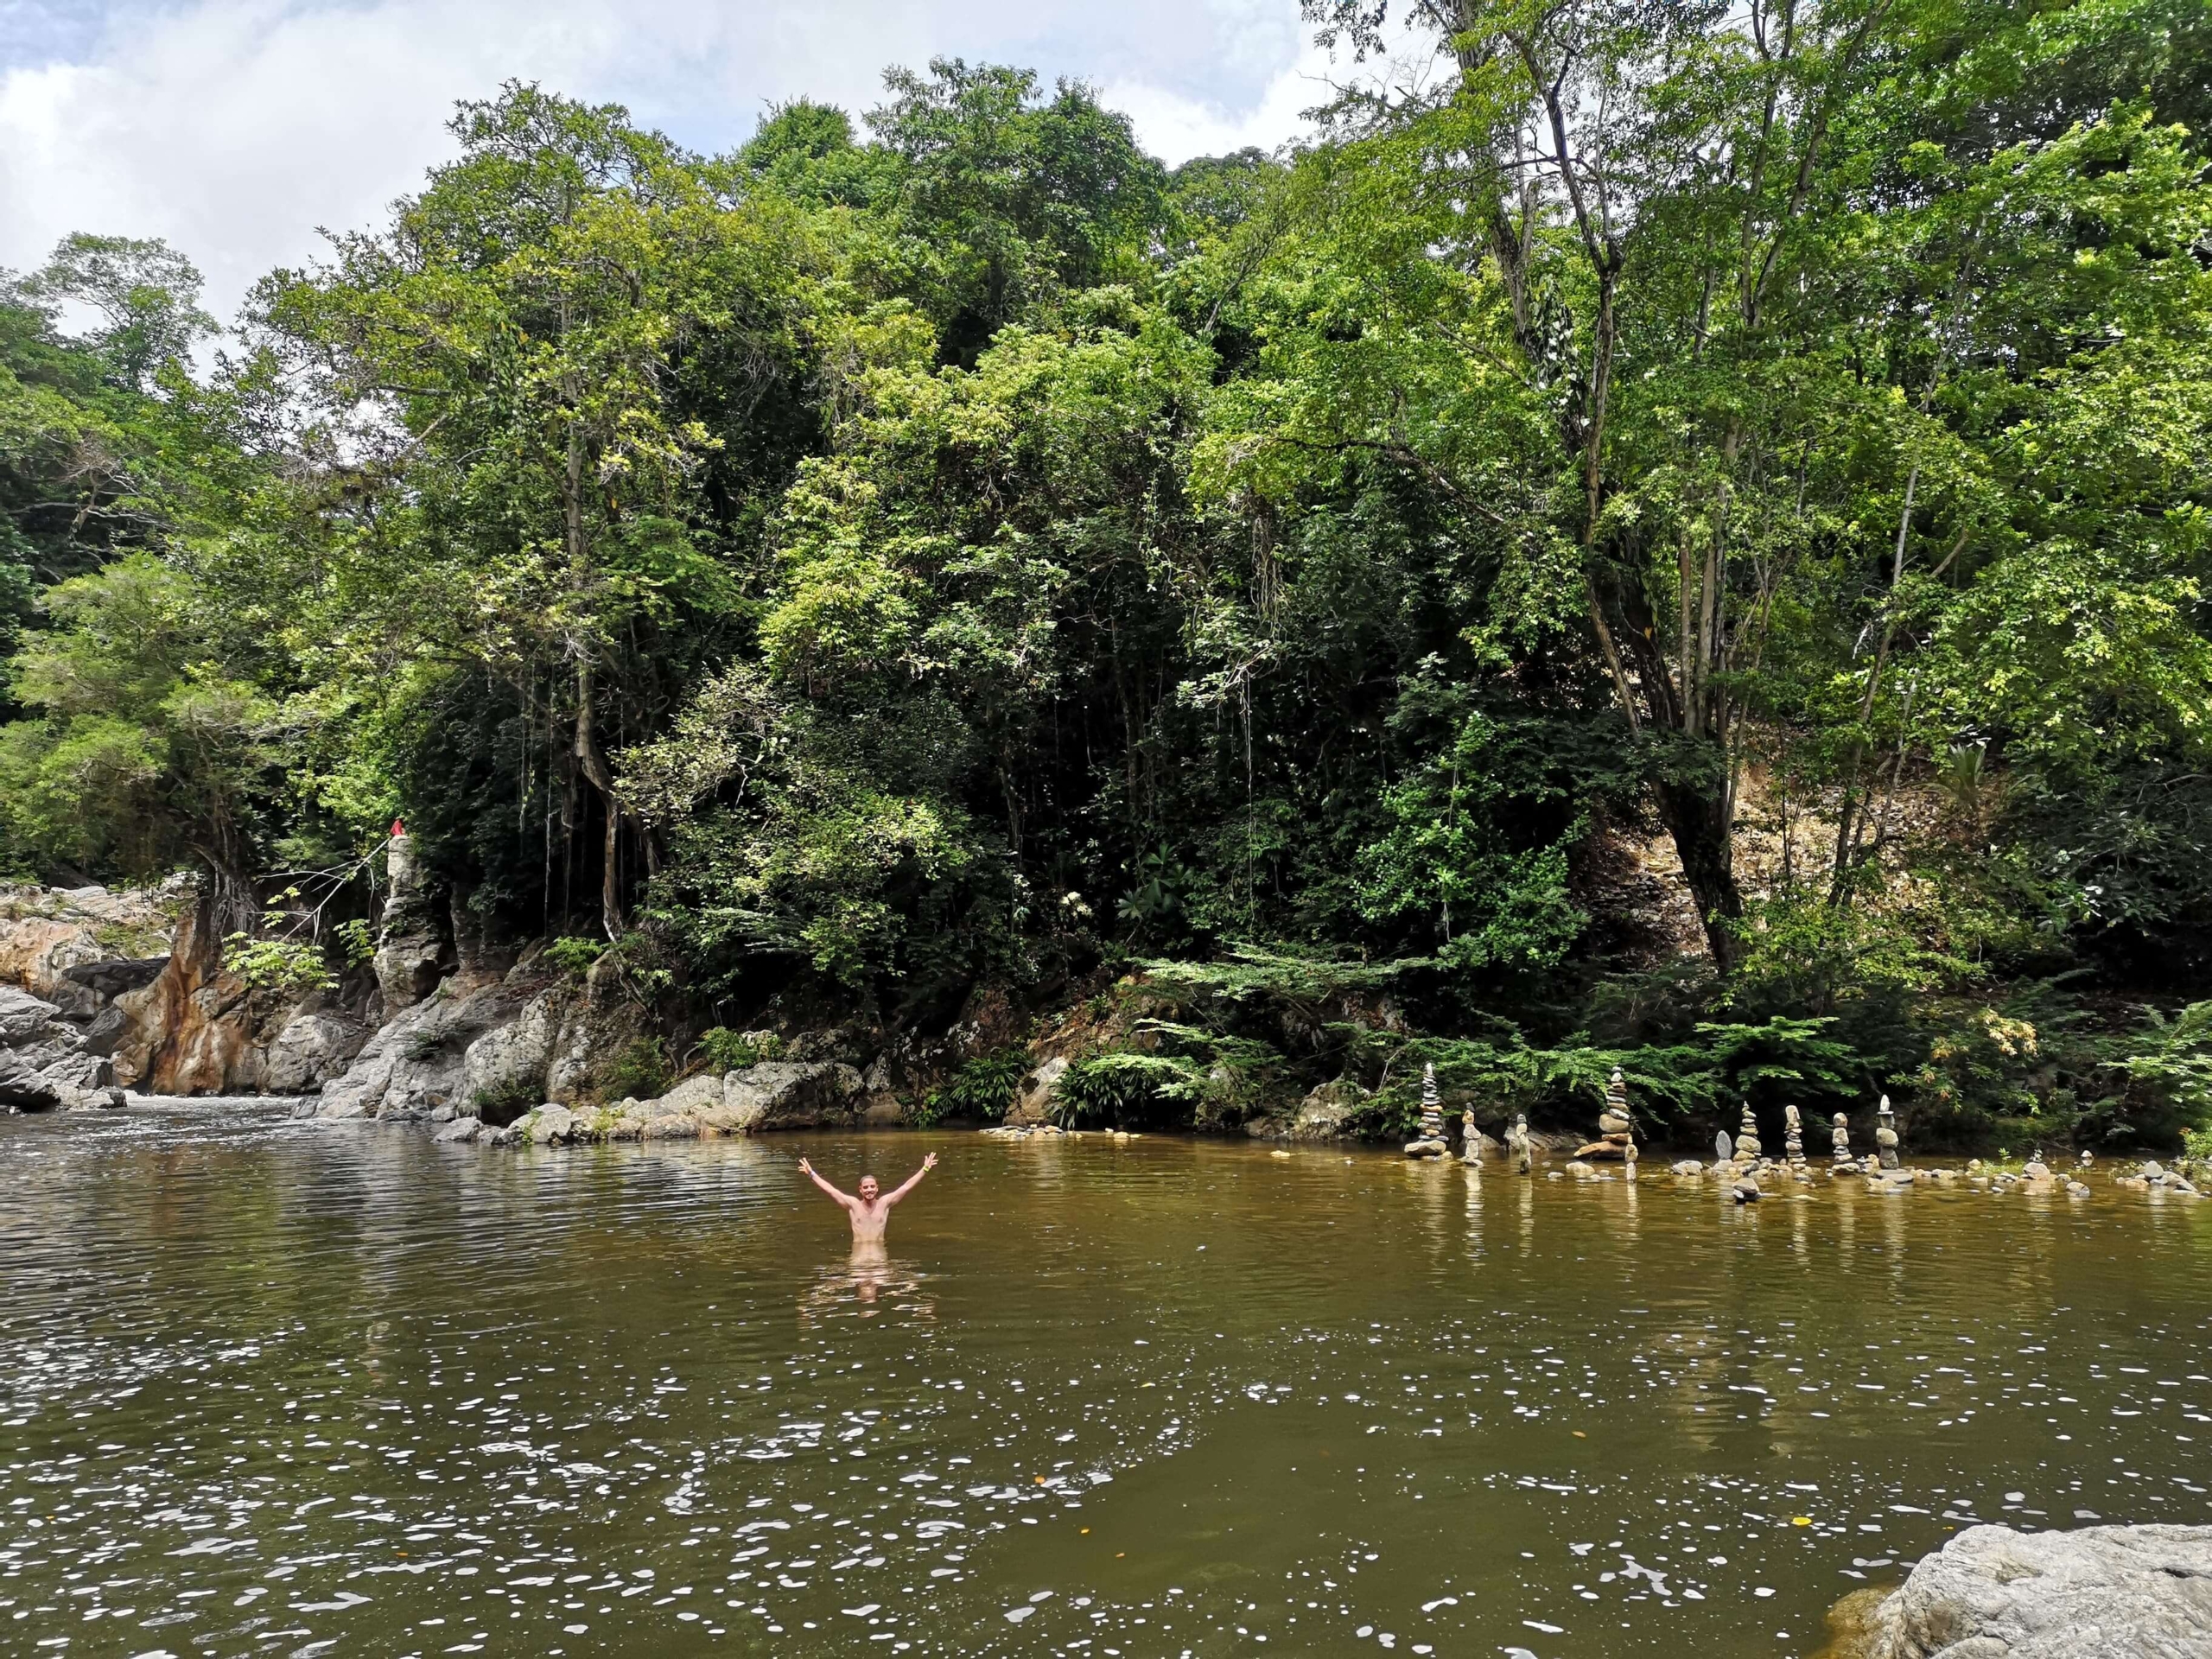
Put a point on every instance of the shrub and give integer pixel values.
(292, 966)
(725, 1050)
(1122, 1087)
(503, 1103)
(982, 1088)
(575, 954)
(639, 1071)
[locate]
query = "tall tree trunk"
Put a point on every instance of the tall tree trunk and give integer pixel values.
(593, 762)
(1697, 818)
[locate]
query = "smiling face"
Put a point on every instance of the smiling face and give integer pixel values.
(868, 1188)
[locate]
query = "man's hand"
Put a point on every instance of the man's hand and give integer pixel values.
(805, 1168)
(929, 1161)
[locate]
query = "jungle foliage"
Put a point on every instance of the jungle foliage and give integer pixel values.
(956, 550)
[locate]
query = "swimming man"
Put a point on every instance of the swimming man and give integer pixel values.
(871, 1210)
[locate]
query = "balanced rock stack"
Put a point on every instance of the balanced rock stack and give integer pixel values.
(1747, 1140)
(1616, 1140)
(1430, 1141)
(1885, 1134)
(1793, 1141)
(1842, 1140)
(1519, 1149)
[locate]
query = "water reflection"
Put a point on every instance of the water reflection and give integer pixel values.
(867, 1283)
(274, 1387)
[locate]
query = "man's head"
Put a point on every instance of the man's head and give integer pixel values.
(868, 1188)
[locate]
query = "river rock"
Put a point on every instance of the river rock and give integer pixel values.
(1687, 1166)
(1324, 1112)
(1995, 1593)
(692, 1094)
(310, 1050)
(461, 1129)
(790, 1094)
(514, 1057)
(670, 1126)
(551, 1125)
(1033, 1104)
(421, 1059)
(25, 1018)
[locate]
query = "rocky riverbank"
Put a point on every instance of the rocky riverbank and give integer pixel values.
(2101, 1593)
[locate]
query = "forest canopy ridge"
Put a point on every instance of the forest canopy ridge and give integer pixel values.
(1680, 540)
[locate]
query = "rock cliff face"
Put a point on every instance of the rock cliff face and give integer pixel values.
(138, 975)
(1995, 1593)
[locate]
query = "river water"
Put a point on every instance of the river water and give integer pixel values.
(279, 1388)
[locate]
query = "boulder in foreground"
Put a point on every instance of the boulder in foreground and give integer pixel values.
(1995, 1593)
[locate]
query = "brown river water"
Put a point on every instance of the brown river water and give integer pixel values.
(278, 1388)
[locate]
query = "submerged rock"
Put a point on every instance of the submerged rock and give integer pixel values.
(1995, 1593)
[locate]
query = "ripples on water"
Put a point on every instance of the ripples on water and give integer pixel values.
(269, 1388)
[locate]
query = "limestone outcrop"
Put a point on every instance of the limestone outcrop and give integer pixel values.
(1995, 1593)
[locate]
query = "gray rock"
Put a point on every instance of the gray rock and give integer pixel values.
(692, 1094)
(551, 1125)
(516, 1053)
(461, 1129)
(1034, 1104)
(1322, 1115)
(117, 975)
(787, 1095)
(412, 956)
(78, 1069)
(26, 1018)
(310, 1050)
(1995, 1593)
(24, 1088)
(421, 1058)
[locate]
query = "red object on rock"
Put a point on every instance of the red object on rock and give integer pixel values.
(398, 827)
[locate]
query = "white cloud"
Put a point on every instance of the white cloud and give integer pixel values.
(233, 128)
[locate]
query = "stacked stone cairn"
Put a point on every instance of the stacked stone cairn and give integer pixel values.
(1616, 1140)
(1747, 1141)
(1793, 1142)
(1519, 1149)
(1429, 1143)
(1744, 1187)
(1842, 1162)
(1885, 1134)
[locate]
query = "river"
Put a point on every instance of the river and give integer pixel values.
(269, 1386)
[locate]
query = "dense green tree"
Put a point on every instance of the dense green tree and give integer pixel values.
(954, 550)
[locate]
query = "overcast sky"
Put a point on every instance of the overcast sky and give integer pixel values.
(233, 128)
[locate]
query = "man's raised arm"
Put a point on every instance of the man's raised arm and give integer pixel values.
(900, 1191)
(846, 1200)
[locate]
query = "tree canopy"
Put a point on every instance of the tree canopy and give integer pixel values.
(1680, 535)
